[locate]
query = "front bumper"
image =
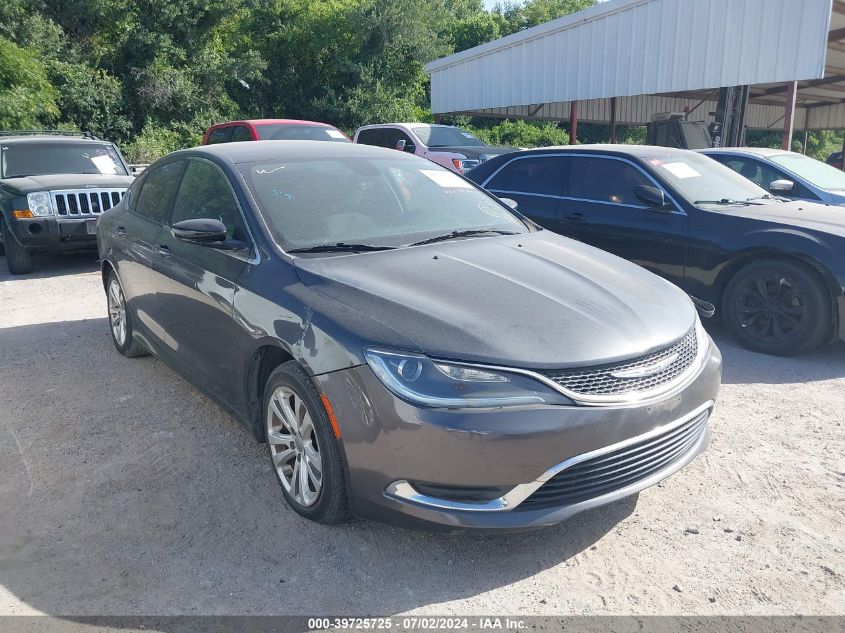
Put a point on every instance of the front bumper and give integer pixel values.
(51, 234)
(507, 454)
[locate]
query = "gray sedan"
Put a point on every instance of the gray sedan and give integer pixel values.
(409, 348)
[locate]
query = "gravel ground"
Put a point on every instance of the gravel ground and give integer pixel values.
(125, 491)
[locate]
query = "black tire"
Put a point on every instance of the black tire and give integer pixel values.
(18, 259)
(777, 307)
(129, 346)
(331, 504)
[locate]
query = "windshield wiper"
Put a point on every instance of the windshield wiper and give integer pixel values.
(341, 247)
(457, 234)
(724, 201)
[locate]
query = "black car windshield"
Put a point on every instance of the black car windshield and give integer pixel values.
(813, 171)
(288, 132)
(381, 202)
(702, 180)
(44, 159)
(446, 137)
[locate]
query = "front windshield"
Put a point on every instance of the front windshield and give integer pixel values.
(446, 137)
(816, 172)
(295, 132)
(702, 180)
(377, 202)
(43, 159)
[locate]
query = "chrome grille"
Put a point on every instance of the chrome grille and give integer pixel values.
(617, 469)
(84, 202)
(622, 378)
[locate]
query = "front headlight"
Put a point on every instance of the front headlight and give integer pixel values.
(424, 382)
(39, 203)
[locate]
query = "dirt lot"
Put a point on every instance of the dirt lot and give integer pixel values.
(124, 491)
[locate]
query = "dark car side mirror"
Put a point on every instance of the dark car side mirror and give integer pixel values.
(781, 186)
(652, 196)
(206, 232)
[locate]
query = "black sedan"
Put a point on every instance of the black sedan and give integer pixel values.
(408, 348)
(775, 268)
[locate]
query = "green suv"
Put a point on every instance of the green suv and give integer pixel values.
(53, 187)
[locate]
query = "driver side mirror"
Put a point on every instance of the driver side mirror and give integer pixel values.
(205, 232)
(781, 186)
(510, 202)
(405, 146)
(652, 196)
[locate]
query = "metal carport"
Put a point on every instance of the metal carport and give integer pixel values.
(624, 61)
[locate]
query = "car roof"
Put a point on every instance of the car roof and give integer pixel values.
(412, 124)
(43, 138)
(759, 151)
(248, 151)
(639, 151)
(259, 122)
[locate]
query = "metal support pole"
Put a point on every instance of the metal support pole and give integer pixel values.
(573, 123)
(804, 143)
(613, 119)
(789, 115)
(843, 153)
(437, 119)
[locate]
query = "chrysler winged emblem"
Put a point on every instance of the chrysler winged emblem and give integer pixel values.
(646, 370)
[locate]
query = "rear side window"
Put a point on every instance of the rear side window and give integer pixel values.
(606, 180)
(205, 193)
(542, 175)
(220, 135)
(372, 137)
(156, 194)
(241, 133)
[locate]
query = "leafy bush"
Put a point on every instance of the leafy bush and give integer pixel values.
(521, 134)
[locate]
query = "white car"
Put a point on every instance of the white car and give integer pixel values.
(446, 145)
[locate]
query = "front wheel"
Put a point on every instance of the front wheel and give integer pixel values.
(304, 451)
(777, 307)
(18, 259)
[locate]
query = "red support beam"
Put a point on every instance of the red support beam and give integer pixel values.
(573, 123)
(789, 115)
(613, 119)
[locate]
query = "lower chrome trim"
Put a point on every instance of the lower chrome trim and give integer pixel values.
(404, 491)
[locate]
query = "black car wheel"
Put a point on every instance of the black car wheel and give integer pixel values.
(303, 449)
(18, 259)
(777, 307)
(120, 320)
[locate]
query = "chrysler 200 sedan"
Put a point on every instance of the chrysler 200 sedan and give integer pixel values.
(408, 347)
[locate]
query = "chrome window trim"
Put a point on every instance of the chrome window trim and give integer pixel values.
(403, 490)
(678, 209)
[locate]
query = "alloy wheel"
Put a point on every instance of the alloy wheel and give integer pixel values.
(117, 312)
(770, 309)
(294, 448)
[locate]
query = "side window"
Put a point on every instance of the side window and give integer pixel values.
(205, 193)
(241, 133)
(606, 180)
(220, 135)
(372, 136)
(393, 135)
(156, 194)
(542, 175)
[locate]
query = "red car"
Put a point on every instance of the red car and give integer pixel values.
(272, 130)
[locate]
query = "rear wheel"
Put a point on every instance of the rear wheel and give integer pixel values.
(120, 320)
(18, 259)
(777, 307)
(303, 449)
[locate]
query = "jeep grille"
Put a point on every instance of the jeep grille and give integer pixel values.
(84, 202)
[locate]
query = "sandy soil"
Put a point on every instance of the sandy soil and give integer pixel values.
(124, 491)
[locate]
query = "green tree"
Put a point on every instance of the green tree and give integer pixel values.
(27, 99)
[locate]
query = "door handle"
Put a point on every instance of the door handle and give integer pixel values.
(120, 231)
(576, 217)
(163, 250)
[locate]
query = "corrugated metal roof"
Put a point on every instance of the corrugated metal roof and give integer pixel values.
(638, 47)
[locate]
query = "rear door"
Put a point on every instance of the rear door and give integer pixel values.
(197, 302)
(372, 136)
(602, 209)
(136, 239)
(536, 183)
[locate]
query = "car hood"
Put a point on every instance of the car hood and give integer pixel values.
(535, 300)
(477, 152)
(56, 182)
(795, 213)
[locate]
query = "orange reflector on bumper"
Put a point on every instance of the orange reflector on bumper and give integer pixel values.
(20, 214)
(332, 419)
